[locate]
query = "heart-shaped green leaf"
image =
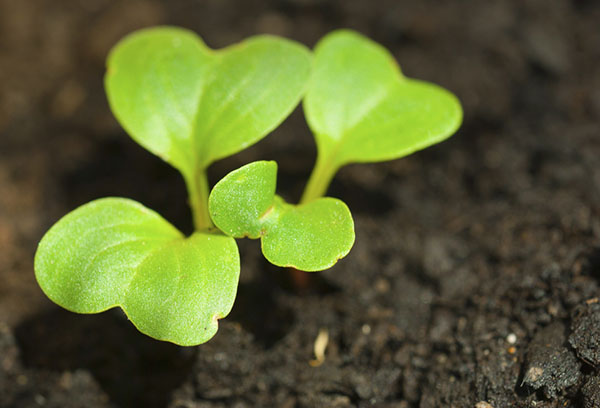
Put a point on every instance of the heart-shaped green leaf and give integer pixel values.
(192, 105)
(362, 109)
(116, 252)
(309, 237)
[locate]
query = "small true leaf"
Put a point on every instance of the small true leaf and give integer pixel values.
(192, 105)
(116, 252)
(309, 237)
(362, 109)
(243, 198)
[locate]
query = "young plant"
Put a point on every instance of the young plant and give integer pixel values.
(361, 108)
(308, 237)
(192, 106)
(189, 105)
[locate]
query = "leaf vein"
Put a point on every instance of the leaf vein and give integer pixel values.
(115, 245)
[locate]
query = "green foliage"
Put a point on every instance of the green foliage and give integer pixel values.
(191, 106)
(116, 252)
(309, 237)
(362, 109)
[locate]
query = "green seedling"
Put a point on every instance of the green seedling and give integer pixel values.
(309, 237)
(191, 106)
(116, 252)
(361, 108)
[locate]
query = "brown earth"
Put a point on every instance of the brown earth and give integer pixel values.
(475, 273)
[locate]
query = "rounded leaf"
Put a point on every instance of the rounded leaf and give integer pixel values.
(362, 109)
(182, 289)
(238, 203)
(154, 81)
(255, 85)
(191, 105)
(310, 237)
(116, 252)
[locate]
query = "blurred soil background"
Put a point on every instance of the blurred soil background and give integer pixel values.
(475, 275)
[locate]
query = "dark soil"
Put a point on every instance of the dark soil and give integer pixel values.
(475, 275)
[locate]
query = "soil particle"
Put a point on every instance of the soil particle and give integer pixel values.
(591, 392)
(551, 366)
(548, 48)
(585, 336)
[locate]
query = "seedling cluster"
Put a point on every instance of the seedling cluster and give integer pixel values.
(191, 105)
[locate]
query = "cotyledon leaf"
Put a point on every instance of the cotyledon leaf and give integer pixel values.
(361, 108)
(309, 237)
(114, 252)
(192, 105)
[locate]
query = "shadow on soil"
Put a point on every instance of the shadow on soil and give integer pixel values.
(112, 350)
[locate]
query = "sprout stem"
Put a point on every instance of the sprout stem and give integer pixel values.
(320, 179)
(197, 186)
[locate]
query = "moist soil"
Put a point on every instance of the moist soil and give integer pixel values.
(474, 280)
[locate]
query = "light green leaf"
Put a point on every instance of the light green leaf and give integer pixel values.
(114, 252)
(191, 105)
(243, 199)
(180, 292)
(309, 237)
(255, 86)
(362, 109)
